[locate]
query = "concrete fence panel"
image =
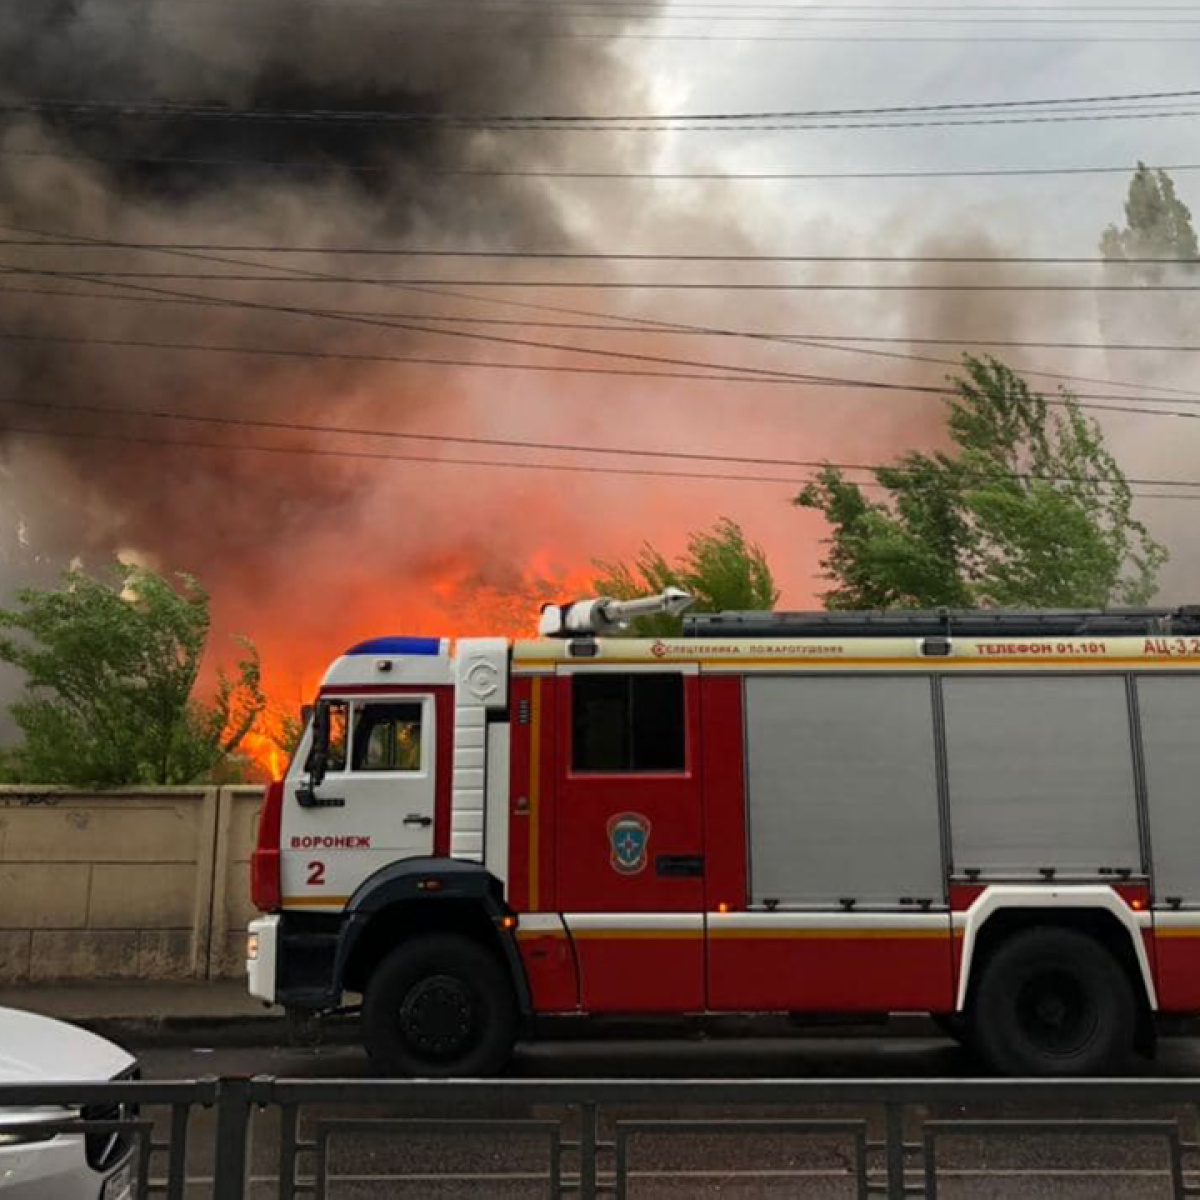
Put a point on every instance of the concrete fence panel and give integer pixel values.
(117, 885)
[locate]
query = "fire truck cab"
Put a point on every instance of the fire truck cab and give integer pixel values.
(990, 817)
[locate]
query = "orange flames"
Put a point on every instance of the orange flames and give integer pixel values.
(451, 601)
(266, 755)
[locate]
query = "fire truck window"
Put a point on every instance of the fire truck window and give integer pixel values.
(339, 721)
(387, 737)
(627, 723)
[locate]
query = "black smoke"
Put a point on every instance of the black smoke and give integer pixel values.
(78, 166)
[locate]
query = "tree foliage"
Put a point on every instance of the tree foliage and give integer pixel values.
(719, 568)
(111, 665)
(1158, 224)
(1029, 508)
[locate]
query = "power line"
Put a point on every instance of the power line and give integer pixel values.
(607, 284)
(816, 176)
(226, 447)
(812, 340)
(173, 111)
(792, 12)
(1134, 405)
(705, 370)
(477, 31)
(480, 337)
(598, 256)
(250, 304)
(654, 7)
(548, 125)
(499, 173)
(418, 360)
(657, 328)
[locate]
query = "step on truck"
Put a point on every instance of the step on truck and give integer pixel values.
(989, 817)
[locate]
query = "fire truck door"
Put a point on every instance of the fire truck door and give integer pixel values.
(375, 804)
(630, 837)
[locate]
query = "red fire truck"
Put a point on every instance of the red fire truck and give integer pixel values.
(993, 818)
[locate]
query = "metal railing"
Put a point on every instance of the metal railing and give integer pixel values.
(888, 1138)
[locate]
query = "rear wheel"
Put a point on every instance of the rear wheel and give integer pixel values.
(1052, 1001)
(439, 1006)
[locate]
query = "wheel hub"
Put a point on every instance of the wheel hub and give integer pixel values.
(1055, 1011)
(437, 1016)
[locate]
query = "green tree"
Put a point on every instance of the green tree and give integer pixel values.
(1029, 509)
(719, 568)
(1157, 224)
(110, 666)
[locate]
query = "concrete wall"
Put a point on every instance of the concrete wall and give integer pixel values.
(145, 884)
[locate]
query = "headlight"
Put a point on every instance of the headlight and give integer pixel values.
(252, 946)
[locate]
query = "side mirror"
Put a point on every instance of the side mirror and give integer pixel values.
(318, 754)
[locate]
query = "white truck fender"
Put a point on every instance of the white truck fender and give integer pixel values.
(1048, 898)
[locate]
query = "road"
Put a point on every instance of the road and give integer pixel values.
(763, 1165)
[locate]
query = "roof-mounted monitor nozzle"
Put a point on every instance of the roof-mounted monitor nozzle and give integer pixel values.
(604, 615)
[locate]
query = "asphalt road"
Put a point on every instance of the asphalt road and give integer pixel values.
(1065, 1166)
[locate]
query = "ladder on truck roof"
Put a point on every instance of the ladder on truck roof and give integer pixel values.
(1000, 622)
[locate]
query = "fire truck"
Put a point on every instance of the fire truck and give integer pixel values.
(989, 817)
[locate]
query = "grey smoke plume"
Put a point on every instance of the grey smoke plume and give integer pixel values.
(185, 180)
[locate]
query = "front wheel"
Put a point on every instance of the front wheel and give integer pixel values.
(439, 1006)
(1053, 1001)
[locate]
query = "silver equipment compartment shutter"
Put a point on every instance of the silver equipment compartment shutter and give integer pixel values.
(1040, 772)
(842, 790)
(1169, 707)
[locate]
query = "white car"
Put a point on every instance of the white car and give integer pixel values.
(69, 1166)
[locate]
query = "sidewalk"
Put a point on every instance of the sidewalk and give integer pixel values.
(159, 1012)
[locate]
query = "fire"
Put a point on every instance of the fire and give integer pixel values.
(264, 753)
(451, 601)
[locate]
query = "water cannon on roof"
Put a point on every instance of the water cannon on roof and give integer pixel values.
(602, 614)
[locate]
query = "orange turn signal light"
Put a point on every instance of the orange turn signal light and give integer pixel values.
(722, 907)
(508, 922)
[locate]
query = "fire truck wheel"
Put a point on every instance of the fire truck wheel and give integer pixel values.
(439, 1006)
(1052, 1001)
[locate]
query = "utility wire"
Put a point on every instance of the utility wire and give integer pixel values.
(1135, 405)
(174, 111)
(636, 322)
(728, 122)
(557, 347)
(590, 469)
(606, 284)
(659, 329)
(598, 256)
(500, 173)
(819, 341)
(625, 12)
(476, 31)
(646, 326)
(654, 7)
(785, 126)
(144, 288)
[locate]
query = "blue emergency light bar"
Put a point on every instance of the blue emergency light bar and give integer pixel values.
(398, 645)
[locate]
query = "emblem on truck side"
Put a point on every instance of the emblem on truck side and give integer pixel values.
(628, 839)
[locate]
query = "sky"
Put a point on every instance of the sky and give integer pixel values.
(1047, 215)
